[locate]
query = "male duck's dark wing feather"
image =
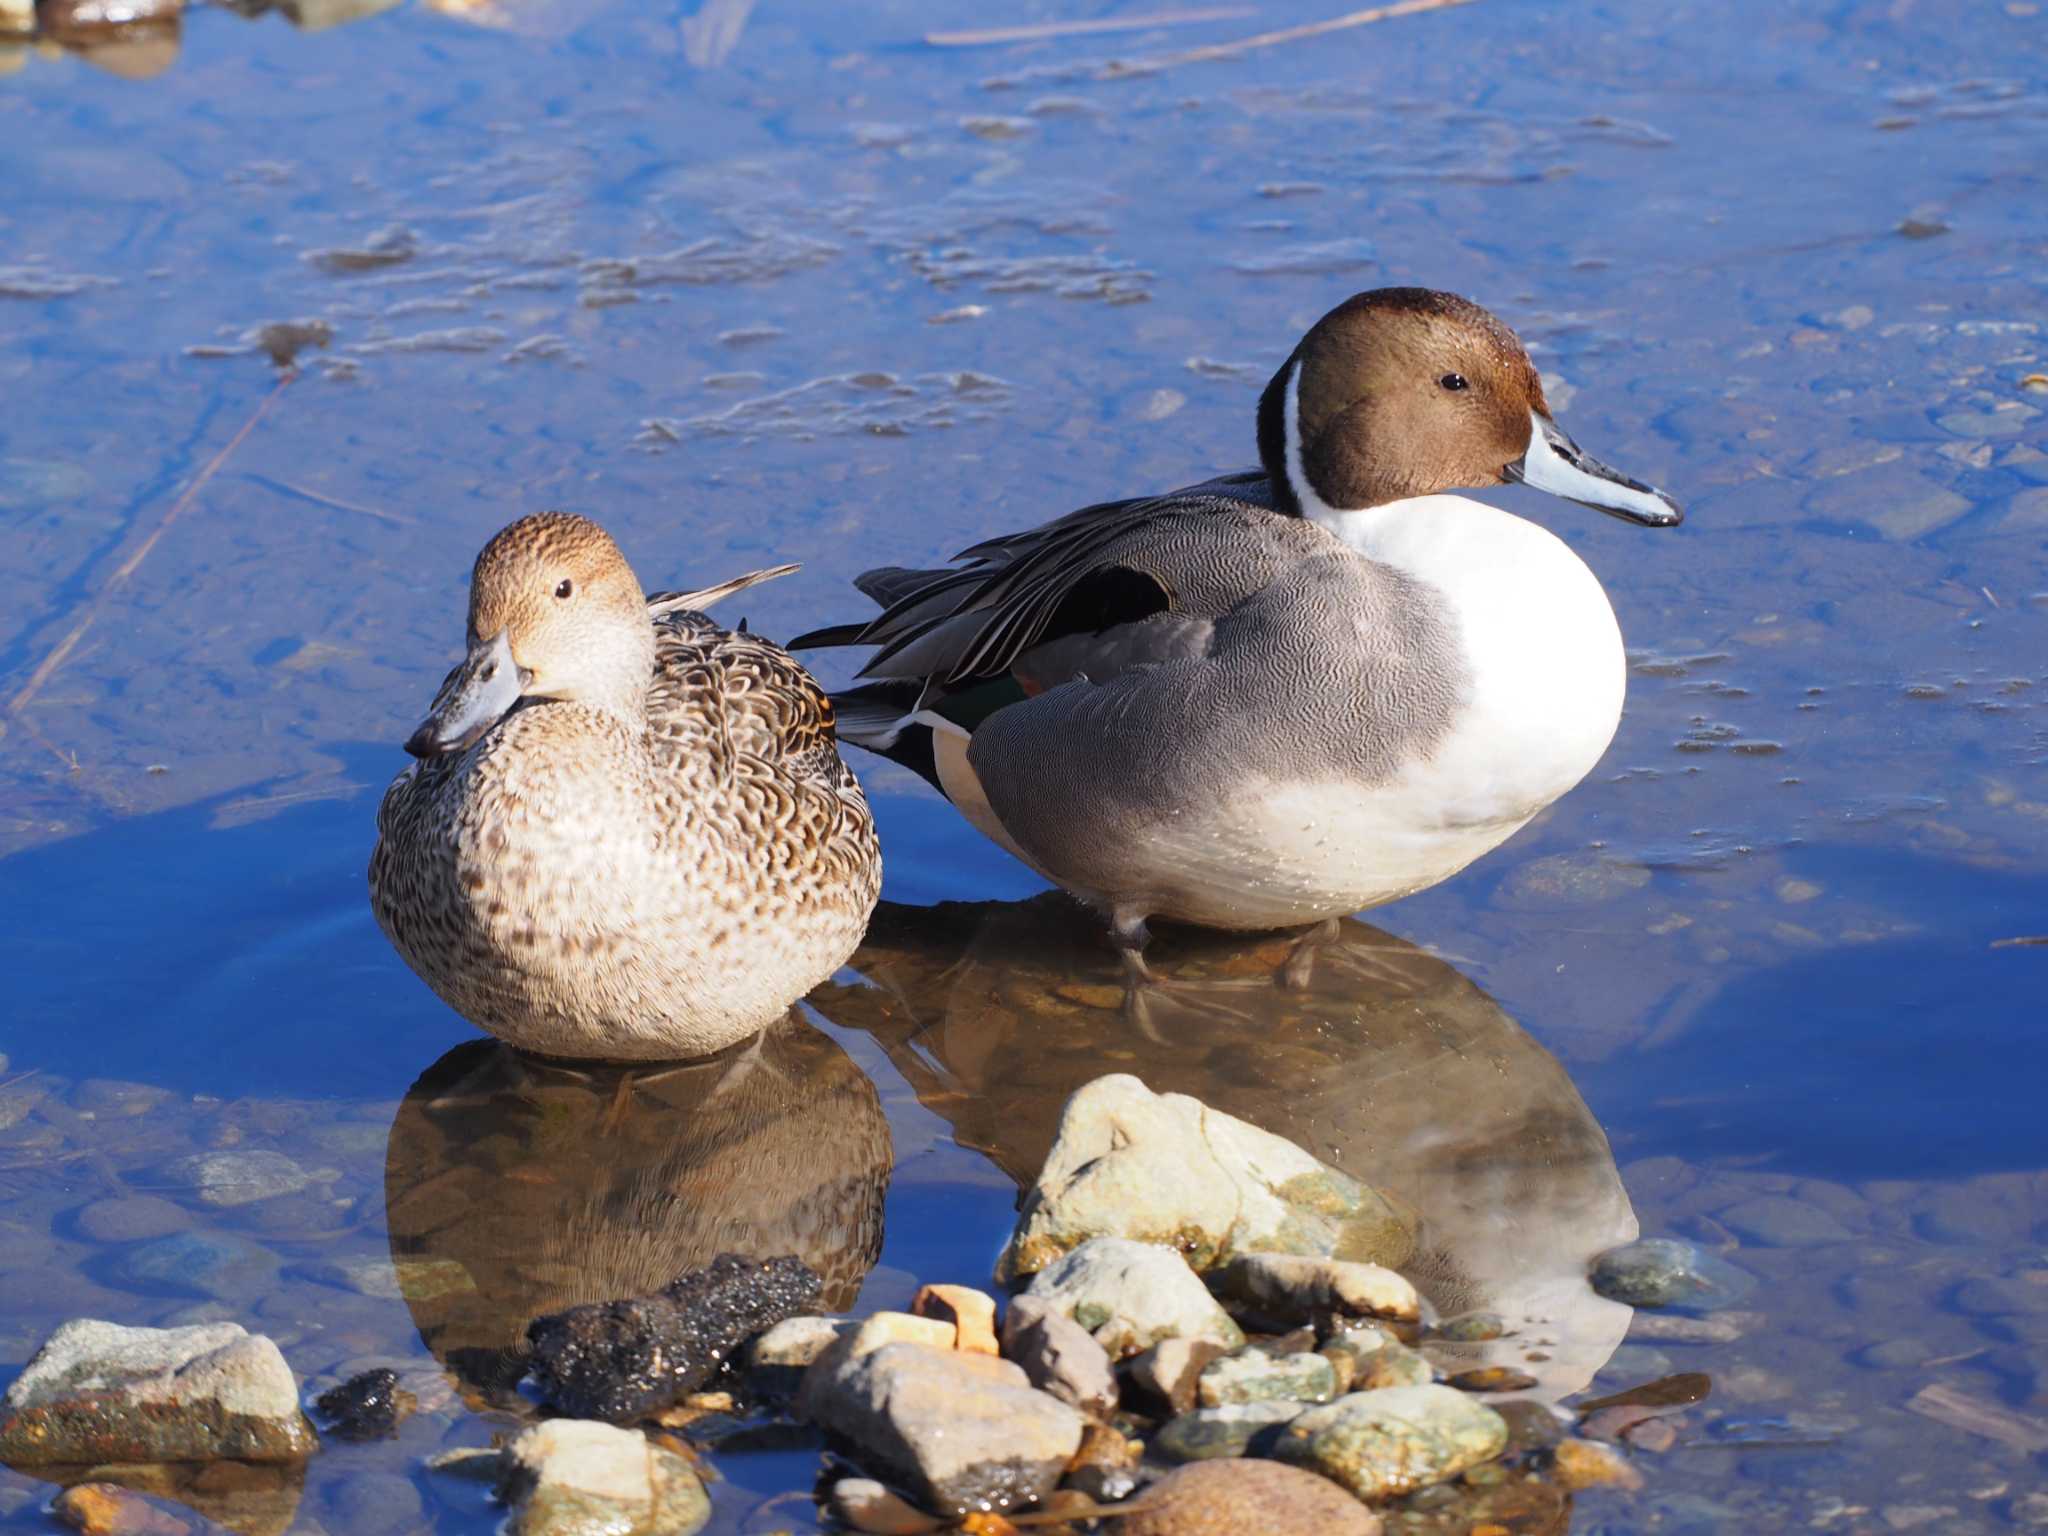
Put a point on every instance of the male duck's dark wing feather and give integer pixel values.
(1103, 566)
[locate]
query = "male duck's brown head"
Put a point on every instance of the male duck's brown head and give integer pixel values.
(1404, 392)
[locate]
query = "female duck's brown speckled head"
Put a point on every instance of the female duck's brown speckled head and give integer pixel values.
(554, 613)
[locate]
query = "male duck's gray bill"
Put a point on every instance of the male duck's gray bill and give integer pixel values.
(1554, 463)
(474, 698)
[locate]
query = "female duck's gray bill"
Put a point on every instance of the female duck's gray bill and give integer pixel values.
(1554, 463)
(472, 700)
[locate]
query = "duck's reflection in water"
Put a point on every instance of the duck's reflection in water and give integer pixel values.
(515, 1187)
(1389, 1065)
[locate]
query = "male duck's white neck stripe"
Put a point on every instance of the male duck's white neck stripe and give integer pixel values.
(1313, 507)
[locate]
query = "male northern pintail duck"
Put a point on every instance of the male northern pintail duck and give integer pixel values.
(628, 834)
(1280, 696)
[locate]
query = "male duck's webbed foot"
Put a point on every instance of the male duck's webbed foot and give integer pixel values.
(1150, 997)
(1300, 964)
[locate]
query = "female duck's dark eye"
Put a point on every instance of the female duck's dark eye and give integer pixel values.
(565, 588)
(1453, 381)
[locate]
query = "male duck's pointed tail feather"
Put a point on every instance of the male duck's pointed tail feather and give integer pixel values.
(659, 603)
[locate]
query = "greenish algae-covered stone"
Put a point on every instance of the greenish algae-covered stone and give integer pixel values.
(1255, 1376)
(1385, 1443)
(1208, 1433)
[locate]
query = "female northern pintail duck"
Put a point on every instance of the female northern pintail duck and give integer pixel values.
(1285, 695)
(628, 834)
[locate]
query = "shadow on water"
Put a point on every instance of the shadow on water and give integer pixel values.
(1390, 1065)
(1912, 1058)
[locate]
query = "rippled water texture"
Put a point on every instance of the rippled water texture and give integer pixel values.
(775, 282)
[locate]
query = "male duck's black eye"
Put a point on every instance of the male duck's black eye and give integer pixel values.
(1453, 381)
(565, 588)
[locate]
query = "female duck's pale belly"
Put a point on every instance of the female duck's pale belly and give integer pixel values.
(1546, 674)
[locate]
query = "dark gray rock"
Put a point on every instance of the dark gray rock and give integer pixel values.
(367, 1407)
(621, 1359)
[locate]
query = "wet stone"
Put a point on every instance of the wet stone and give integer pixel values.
(571, 1477)
(1167, 1169)
(1286, 1289)
(1131, 1295)
(1491, 1378)
(1583, 1464)
(215, 1265)
(132, 1219)
(1253, 1376)
(1386, 1443)
(1169, 1372)
(961, 1431)
(1059, 1356)
(1664, 1272)
(23, 1247)
(1229, 1498)
(621, 1359)
(1471, 1328)
(99, 1392)
(1532, 1426)
(238, 1178)
(1106, 1466)
(865, 1505)
(1229, 1430)
(777, 1359)
(367, 1407)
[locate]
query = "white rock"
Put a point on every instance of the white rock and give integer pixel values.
(1132, 1295)
(571, 1477)
(98, 1392)
(1165, 1168)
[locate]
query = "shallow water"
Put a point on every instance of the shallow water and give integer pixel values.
(777, 282)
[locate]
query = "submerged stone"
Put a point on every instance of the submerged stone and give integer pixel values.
(620, 1359)
(1664, 1272)
(216, 1265)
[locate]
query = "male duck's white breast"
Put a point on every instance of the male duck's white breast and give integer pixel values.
(1543, 659)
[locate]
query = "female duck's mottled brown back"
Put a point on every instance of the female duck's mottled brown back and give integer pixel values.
(629, 835)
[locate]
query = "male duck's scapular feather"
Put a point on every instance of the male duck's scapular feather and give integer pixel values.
(586, 885)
